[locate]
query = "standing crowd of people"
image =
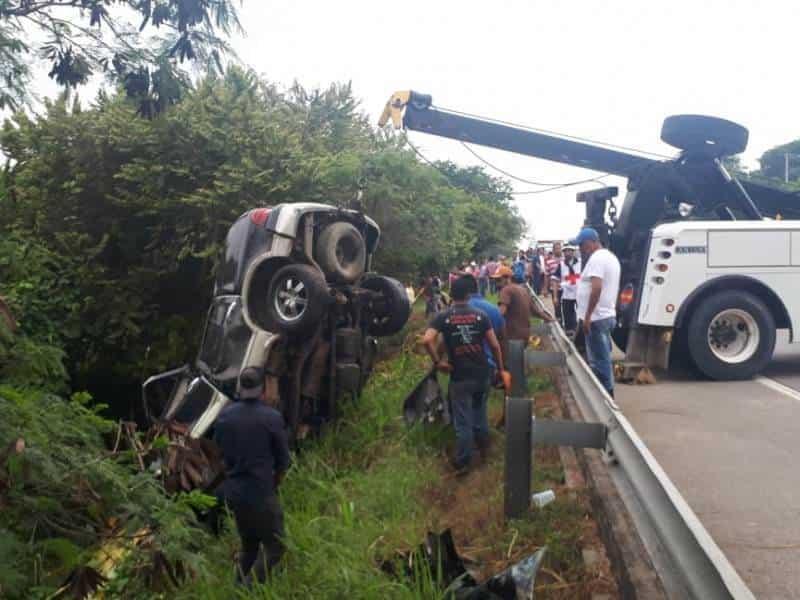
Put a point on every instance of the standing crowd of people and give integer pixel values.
(581, 278)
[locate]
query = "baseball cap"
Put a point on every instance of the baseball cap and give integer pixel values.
(587, 234)
(502, 271)
(251, 383)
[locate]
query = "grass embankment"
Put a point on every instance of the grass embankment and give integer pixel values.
(371, 488)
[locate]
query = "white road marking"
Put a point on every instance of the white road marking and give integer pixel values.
(779, 387)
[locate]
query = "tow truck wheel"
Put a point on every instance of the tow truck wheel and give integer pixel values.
(731, 336)
(297, 299)
(709, 135)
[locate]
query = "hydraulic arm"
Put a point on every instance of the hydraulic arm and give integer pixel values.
(414, 111)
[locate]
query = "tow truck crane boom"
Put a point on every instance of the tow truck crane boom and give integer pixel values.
(414, 111)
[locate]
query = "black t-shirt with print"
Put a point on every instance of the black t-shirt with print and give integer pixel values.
(464, 329)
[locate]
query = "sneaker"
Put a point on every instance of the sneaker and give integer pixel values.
(458, 469)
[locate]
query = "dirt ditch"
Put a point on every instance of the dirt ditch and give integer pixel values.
(472, 507)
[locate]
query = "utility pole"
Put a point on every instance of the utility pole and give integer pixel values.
(786, 167)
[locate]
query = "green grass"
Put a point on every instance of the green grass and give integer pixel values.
(350, 500)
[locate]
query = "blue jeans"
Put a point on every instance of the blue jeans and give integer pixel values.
(468, 401)
(598, 351)
(483, 286)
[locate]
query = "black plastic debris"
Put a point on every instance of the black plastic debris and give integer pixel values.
(438, 559)
(515, 583)
(426, 403)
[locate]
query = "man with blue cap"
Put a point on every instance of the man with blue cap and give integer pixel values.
(597, 302)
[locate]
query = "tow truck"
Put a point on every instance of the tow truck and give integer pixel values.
(710, 270)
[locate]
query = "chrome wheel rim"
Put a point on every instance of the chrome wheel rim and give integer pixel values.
(291, 299)
(733, 336)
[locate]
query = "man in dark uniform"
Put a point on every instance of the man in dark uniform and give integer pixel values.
(464, 330)
(254, 445)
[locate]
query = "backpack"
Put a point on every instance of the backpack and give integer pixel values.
(518, 270)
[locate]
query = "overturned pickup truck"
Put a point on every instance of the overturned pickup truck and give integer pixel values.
(294, 295)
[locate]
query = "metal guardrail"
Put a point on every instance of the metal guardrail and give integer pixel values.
(688, 561)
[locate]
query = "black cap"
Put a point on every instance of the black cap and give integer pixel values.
(251, 383)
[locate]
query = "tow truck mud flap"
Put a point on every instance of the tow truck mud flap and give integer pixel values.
(648, 347)
(426, 403)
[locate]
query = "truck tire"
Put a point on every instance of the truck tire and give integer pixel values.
(731, 336)
(391, 309)
(710, 135)
(341, 252)
(297, 299)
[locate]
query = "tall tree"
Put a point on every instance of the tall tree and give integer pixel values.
(774, 162)
(138, 43)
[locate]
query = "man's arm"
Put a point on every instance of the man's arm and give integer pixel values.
(494, 345)
(540, 312)
(430, 341)
(594, 298)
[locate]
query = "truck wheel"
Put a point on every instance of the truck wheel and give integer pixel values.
(297, 299)
(390, 309)
(712, 135)
(731, 336)
(341, 252)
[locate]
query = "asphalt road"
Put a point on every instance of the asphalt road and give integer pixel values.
(733, 450)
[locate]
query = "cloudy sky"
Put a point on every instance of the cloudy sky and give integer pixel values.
(599, 69)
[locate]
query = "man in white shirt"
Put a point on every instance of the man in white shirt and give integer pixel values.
(569, 273)
(597, 303)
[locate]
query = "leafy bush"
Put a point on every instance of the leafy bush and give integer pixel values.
(65, 495)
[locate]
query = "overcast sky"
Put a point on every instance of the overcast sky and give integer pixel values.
(603, 70)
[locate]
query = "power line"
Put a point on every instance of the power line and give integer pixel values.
(558, 187)
(550, 186)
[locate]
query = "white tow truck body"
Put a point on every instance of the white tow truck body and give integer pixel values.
(726, 286)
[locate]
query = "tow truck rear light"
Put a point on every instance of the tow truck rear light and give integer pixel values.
(665, 255)
(661, 267)
(668, 242)
(658, 280)
(627, 295)
(259, 216)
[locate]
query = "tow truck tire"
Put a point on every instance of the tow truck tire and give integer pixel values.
(341, 252)
(731, 336)
(297, 298)
(710, 135)
(390, 311)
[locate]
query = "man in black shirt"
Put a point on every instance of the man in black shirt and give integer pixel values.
(254, 445)
(464, 330)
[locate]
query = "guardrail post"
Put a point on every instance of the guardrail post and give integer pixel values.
(518, 459)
